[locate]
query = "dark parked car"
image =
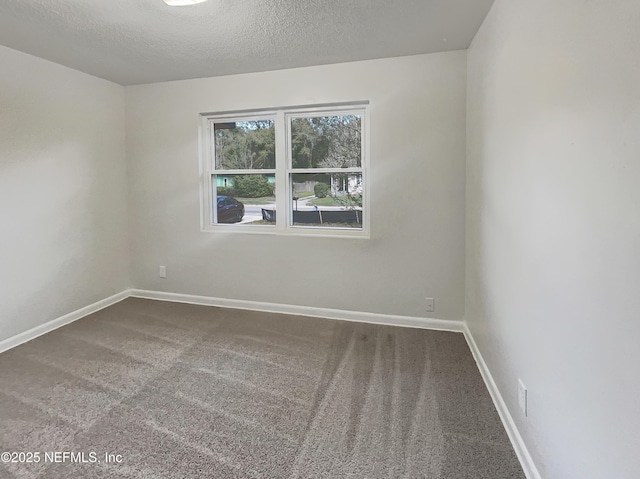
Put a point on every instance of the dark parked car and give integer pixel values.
(230, 210)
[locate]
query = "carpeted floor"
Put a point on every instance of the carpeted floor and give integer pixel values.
(184, 391)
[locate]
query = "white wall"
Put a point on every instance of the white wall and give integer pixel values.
(417, 191)
(553, 226)
(63, 243)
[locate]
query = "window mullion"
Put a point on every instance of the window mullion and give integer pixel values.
(213, 188)
(282, 181)
(213, 201)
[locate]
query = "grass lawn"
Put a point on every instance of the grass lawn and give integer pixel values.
(304, 194)
(326, 201)
(264, 200)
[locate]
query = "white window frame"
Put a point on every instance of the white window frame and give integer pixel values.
(283, 170)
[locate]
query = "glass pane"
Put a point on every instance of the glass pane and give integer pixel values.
(329, 200)
(245, 145)
(326, 141)
(245, 199)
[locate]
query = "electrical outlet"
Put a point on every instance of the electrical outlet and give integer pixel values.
(163, 271)
(522, 396)
(430, 305)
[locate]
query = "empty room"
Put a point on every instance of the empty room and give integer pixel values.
(320, 239)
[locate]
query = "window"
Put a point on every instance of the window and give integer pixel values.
(296, 170)
(244, 169)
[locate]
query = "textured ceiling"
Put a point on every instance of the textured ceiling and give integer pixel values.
(144, 41)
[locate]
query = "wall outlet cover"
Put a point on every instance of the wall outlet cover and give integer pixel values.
(430, 305)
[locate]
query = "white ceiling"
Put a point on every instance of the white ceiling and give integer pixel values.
(144, 41)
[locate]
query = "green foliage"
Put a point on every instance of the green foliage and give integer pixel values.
(349, 201)
(226, 191)
(326, 141)
(321, 190)
(252, 186)
(245, 145)
(317, 142)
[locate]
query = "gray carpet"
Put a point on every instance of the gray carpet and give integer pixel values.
(183, 391)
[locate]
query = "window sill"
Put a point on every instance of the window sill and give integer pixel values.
(292, 231)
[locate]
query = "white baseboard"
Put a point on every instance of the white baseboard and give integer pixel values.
(519, 446)
(33, 333)
(376, 318)
(387, 319)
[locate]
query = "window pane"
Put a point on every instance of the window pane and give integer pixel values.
(329, 200)
(245, 199)
(326, 141)
(245, 145)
